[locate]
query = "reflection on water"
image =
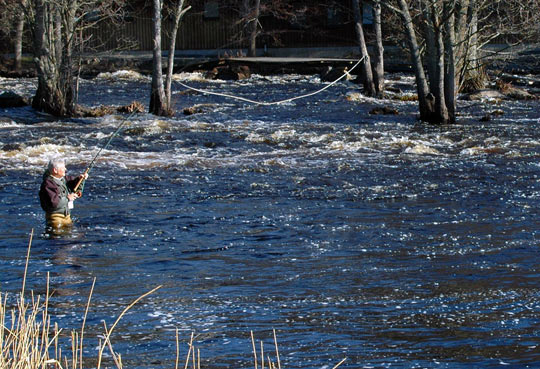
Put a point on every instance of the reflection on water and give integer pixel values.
(375, 238)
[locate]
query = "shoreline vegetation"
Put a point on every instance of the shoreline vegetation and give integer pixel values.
(504, 86)
(500, 60)
(31, 340)
(515, 76)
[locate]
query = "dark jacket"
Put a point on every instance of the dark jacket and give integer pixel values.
(53, 193)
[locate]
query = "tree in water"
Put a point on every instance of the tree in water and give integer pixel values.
(158, 104)
(366, 71)
(12, 21)
(55, 91)
(251, 18)
(57, 31)
(178, 12)
(453, 35)
(425, 99)
(160, 96)
(19, 30)
(378, 60)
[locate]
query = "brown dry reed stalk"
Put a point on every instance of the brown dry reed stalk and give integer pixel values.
(272, 364)
(177, 350)
(30, 342)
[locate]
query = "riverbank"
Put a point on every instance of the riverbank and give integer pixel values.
(518, 61)
(512, 75)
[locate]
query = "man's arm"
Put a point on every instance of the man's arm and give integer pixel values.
(71, 181)
(51, 197)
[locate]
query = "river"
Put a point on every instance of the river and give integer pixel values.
(374, 238)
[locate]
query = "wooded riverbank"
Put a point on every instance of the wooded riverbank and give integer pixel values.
(525, 62)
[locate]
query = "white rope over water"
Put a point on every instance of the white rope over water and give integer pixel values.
(272, 102)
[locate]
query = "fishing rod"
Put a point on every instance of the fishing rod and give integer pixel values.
(80, 184)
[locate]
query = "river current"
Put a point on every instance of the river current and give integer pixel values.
(374, 238)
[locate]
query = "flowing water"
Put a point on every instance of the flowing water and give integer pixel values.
(368, 237)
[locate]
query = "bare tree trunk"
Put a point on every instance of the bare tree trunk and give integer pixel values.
(157, 94)
(474, 74)
(438, 85)
(254, 22)
(450, 73)
(179, 12)
(367, 74)
(19, 29)
(246, 15)
(430, 55)
(54, 93)
(474, 35)
(461, 33)
(58, 34)
(251, 20)
(378, 60)
(55, 26)
(469, 72)
(425, 99)
(65, 46)
(79, 65)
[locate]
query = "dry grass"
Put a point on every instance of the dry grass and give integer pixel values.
(504, 87)
(407, 97)
(474, 81)
(31, 342)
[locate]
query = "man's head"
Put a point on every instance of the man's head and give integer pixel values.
(57, 167)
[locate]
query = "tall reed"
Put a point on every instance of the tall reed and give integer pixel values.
(30, 341)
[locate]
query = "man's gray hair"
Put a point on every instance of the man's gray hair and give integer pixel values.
(56, 163)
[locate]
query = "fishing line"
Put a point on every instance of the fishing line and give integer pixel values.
(80, 185)
(272, 102)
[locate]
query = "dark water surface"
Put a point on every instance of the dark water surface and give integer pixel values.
(373, 238)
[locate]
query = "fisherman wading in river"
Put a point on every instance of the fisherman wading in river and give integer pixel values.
(58, 192)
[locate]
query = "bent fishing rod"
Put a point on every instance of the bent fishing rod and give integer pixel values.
(78, 189)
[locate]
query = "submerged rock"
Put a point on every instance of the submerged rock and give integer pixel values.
(421, 149)
(197, 109)
(485, 118)
(393, 89)
(504, 91)
(13, 147)
(495, 113)
(519, 94)
(384, 110)
(193, 110)
(10, 99)
(229, 72)
(485, 94)
(135, 131)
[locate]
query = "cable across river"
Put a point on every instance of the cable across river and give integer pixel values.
(266, 103)
(80, 186)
